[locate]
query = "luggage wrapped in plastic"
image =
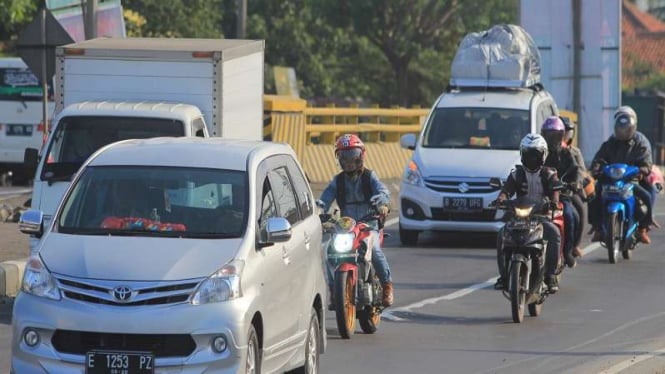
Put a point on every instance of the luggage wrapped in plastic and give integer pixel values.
(503, 56)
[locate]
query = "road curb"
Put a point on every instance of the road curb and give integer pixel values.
(11, 274)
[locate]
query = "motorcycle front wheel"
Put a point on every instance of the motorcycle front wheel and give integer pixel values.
(517, 292)
(613, 239)
(345, 309)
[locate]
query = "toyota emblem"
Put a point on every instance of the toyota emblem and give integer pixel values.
(122, 293)
(463, 187)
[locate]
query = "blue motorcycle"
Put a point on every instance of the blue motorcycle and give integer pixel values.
(619, 205)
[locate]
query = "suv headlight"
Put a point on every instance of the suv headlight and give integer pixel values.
(223, 285)
(412, 174)
(38, 281)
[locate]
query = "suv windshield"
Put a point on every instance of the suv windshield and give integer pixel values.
(488, 128)
(148, 200)
(76, 138)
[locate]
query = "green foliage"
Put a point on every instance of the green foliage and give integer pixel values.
(14, 15)
(178, 18)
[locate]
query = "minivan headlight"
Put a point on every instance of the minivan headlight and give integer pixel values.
(223, 285)
(412, 174)
(38, 281)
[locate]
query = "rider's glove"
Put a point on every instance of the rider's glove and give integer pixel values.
(378, 200)
(383, 210)
(320, 204)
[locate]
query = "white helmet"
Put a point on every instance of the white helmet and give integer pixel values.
(625, 123)
(533, 151)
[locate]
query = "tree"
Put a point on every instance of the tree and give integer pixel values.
(178, 18)
(14, 16)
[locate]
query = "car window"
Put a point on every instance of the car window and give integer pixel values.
(268, 208)
(302, 188)
(285, 198)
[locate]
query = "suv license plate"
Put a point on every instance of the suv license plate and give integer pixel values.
(19, 130)
(106, 362)
(463, 203)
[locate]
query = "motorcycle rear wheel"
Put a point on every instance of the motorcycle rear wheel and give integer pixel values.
(345, 309)
(613, 240)
(517, 292)
(369, 319)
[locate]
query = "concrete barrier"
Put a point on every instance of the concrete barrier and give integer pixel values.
(11, 274)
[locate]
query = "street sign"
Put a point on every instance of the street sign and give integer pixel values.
(44, 33)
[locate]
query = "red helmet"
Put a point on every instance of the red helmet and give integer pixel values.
(350, 152)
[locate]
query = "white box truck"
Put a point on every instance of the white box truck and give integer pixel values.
(110, 89)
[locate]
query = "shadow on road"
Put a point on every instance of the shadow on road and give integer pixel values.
(6, 312)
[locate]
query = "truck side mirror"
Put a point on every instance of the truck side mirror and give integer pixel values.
(30, 160)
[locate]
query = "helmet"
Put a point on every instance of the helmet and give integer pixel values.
(533, 152)
(553, 130)
(625, 123)
(350, 153)
(570, 129)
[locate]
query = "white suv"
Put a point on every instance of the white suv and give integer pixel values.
(470, 136)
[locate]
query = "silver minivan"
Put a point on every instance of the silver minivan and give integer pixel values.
(176, 255)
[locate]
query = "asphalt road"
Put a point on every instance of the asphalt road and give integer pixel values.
(447, 319)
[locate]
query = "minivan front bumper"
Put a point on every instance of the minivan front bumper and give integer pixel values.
(421, 209)
(199, 324)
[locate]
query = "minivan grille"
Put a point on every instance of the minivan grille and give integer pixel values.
(142, 293)
(439, 214)
(459, 185)
(161, 345)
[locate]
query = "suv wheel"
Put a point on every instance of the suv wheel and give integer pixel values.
(408, 237)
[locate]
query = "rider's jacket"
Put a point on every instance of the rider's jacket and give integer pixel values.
(537, 185)
(567, 168)
(356, 203)
(636, 151)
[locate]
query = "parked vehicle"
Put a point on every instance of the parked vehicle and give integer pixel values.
(211, 246)
(472, 133)
(619, 207)
(21, 117)
(523, 244)
(111, 89)
(354, 285)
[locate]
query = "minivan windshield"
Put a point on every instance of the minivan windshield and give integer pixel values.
(78, 137)
(481, 128)
(161, 201)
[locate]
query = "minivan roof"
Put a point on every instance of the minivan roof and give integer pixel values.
(504, 98)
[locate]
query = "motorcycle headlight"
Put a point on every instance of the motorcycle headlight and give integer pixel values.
(523, 212)
(38, 281)
(617, 173)
(412, 174)
(223, 285)
(343, 242)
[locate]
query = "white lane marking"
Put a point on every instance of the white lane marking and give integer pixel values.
(391, 222)
(457, 294)
(632, 361)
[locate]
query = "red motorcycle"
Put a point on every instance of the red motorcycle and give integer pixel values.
(354, 285)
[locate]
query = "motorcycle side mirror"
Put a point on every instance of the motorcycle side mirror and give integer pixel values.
(496, 182)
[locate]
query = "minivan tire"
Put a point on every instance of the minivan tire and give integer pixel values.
(253, 361)
(312, 347)
(408, 237)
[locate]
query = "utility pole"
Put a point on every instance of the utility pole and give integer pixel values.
(242, 19)
(42, 15)
(90, 18)
(577, 61)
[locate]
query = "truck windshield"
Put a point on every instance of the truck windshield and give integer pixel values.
(488, 128)
(164, 201)
(76, 138)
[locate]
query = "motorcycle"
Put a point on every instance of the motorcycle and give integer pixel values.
(355, 287)
(523, 243)
(619, 207)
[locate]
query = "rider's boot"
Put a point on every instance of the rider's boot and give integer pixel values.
(643, 236)
(597, 234)
(500, 284)
(577, 252)
(552, 283)
(387, 293)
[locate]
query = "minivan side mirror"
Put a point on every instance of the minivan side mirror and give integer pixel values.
(31, 222)
(277, 230)
(30, 160)
(408, 141)
(496, 182)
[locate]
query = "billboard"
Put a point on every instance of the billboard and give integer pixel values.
(69, 13)
(550, 23)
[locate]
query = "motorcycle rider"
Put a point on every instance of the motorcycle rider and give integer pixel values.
(562, 160)
(356, 189)
(536, 181)
(628, 146)
(580, 197)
